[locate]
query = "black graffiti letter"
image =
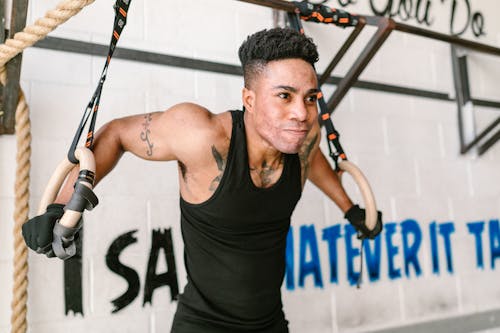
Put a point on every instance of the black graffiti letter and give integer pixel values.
(161, 239)
(478, 24)
(129, 274)
(383, 12)
(452, 21)
(73, 280)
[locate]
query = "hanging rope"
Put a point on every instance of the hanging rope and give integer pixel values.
(33, 33)
(12, 47)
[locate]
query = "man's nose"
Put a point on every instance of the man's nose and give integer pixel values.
(299, 111)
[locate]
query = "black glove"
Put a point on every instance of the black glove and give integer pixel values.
(38, 231)
(356, 216)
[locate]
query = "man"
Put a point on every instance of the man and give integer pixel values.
(240, 176)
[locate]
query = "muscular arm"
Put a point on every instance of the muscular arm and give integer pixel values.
(326, 179)
(316, 168)
(159, 136)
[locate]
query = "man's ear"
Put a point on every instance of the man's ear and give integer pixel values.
(248, 97)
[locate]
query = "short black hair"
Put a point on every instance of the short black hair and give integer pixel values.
(274, 44)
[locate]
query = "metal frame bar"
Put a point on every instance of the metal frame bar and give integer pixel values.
(384, 27)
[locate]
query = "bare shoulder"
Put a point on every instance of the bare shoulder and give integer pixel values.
(192, 127)
(191, 116)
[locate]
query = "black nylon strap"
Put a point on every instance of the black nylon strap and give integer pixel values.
(83, 198)
(121, 10)
(332, 136)
(324, 14)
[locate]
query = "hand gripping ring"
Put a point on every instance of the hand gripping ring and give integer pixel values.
(366, 192)
(83, 198)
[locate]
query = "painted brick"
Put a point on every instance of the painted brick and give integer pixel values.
(484, 208)
(46, 154)
(480, 291)
(58, 67)
(361, 308)
(61, 108)
(318, 318)
(389, 177)
(485, 178)
(413, 137)
(441, 178)
(154, 178)
(6, 280)
(423, 209)
(128, 323)
(46, 282)
(310, 208)
(8, 152)
(221, 91)
(109, 220)
(427, 298)
(6, 228)
(163, 318)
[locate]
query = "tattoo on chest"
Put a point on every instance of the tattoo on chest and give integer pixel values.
(221, 166)
(146, 132)
(267, 173)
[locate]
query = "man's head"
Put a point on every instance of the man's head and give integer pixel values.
(281, 88)
(274, 44)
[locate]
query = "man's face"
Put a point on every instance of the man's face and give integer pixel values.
(282, 103)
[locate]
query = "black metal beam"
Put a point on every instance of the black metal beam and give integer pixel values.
(68, 45)
(488, 144)
(10, 93)
(384, 29)
(340, 54)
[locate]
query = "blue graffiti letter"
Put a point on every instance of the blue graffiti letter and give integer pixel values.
(477, 228)
(308, 240)
(290, 281)
(411, 251)
(446, 229)
(331, 235)
(434, 248)
(351, 254)
(494, 241)
(392, 251)
(373, 257)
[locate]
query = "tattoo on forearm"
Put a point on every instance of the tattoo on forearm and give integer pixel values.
(221, 165)
(145, 133)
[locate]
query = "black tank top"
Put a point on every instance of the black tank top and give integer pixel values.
(234, 248)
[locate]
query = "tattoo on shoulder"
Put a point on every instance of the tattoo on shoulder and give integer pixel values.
(304, 155)
(146, 132)
(221, 166)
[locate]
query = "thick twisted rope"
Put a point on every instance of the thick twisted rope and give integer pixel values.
(33, 33)
(12, 47)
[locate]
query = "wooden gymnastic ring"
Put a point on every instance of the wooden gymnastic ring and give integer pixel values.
(86, 158)
(366, 192)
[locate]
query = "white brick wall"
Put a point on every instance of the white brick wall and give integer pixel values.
(408, 147)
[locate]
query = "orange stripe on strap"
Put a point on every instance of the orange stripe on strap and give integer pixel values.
(344, 20)
(342, 156)
(89, 135)
(320, 94)
(116, 34)
(325, 116)
(332, 136)
(123, 12)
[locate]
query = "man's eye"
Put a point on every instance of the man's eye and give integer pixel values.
(312, 98)
(284, 95)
